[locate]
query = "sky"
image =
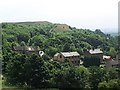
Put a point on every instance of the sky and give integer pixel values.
(86, 14)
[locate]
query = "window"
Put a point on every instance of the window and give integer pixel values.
(72, 61)
(75, 61)
(72, 57)
(60, 56)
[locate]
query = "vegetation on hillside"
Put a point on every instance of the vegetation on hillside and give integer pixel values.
(40, 72)
(51, 39)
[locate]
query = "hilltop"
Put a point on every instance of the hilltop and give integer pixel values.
(60, 28)
(53, 27)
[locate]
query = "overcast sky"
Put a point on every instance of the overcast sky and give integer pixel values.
(89, 14)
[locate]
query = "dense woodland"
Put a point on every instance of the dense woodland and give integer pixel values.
(33, 71)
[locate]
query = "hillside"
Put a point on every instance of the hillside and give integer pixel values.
(61, 28)
(54, 38)
(21, 68)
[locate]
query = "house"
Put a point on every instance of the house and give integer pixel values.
(118, 58)
(28, 50)
(94, 53)
(109, 62)
(73, 57)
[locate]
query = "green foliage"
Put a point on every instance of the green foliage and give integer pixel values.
(23, 37)
(38, 41)
(98, 31)
(97, 75)
(112, 84)
(34, 71)
(40, 34)
(113, 73)
(103, 85)
(112, 52)
(27, 70)
(51, 51)
(72, 77)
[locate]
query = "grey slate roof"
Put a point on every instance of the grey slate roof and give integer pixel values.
(70, 54)
(95, 51)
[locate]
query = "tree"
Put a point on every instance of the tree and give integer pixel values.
(51, 51)
(112, 84)
(103, 85)
(98, 31)
(38, 40)
(112, 52)
(72, 77)
(27, 70)
(14, 70)
(11, 38)
(113, 73)
(97, 75)
(66, 47)
(115, 84)
(37, 74)
(23, 37)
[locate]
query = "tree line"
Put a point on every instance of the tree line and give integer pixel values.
(32, 71)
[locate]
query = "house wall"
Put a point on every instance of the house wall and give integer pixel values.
(96, 55)
(111, 64)
(118, 58)
(74, 59)
(59, 57)
(108, 65)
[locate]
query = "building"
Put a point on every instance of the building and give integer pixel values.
(28, 50)
(107, 57)
(94, 53)
(109, 62)
(73, 57)
(118, 58)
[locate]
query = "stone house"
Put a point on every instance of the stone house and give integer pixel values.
(118, 58)
(94, 52)
(28, 50)
(73, 57)
(109, 62)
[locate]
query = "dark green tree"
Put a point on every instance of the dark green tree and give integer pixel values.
(97, 75)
